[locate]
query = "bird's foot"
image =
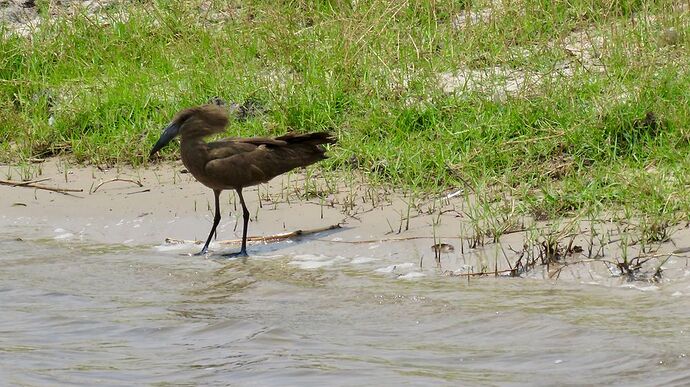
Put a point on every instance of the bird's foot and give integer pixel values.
(239, 254)
(199, 254)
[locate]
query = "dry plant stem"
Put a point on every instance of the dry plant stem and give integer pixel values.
(137, 182)
(660, 255)
(262, 239)
(23, 183)
(136, 192)
(479, 274)
(530, 140)
(556, 273)
(31, 184)
(642, 259)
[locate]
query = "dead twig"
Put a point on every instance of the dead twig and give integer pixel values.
(136, 192)
(32, 184)
(23, 183)
(261, 239)
(557, 272)
(495, 273)
(137, 182)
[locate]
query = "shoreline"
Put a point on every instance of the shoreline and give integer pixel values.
(417, 236)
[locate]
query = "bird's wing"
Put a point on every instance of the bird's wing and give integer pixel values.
(243, 162)
(241, 165)
(227, 148)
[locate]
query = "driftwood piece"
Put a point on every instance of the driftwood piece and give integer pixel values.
(33, 184)
(261, 239)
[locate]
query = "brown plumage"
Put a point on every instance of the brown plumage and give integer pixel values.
(235, 163)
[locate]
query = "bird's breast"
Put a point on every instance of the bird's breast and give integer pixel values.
(195, 157)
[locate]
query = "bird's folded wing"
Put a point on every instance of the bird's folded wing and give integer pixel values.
(241, 168)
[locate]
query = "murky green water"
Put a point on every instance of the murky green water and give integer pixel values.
(80, 314)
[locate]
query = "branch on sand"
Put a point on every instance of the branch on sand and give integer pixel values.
(33, 184)
(137, 182)
(261, 239)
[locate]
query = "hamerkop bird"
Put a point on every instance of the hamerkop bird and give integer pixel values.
(235, 163)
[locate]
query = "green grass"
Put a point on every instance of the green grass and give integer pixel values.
(369, 71)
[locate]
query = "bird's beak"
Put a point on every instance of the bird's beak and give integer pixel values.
(168, 134)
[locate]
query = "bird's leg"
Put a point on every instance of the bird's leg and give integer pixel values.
(245, 216)
(216, 220)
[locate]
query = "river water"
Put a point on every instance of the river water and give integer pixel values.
(76, 313)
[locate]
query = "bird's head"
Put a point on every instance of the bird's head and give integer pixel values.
(199, 121)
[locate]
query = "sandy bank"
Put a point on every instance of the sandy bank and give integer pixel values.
(395, 229)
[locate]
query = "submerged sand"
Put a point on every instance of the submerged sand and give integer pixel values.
(409, 236)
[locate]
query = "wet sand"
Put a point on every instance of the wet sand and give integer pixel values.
(376, 224)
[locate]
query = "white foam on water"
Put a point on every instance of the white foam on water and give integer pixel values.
(464, 269)
(173, 246)
(267, 257)
(310, 257)
(307, 265)
(311, 261)
(62, 234)
(641, 288)
(412, 275)
(361, 260)
(400, 267)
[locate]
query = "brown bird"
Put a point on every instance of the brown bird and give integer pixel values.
(235, 163)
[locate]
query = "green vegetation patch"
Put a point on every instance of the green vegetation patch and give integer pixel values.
(566, 105)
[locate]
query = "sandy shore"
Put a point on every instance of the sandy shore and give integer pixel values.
(144, 206)
(171, 204)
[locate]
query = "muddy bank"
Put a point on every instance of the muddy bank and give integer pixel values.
(407, 235)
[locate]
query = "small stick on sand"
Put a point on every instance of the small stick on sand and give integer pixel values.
(23, 183)
(136, 192)
(261, 239)
(137, 182)
(32, 184)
